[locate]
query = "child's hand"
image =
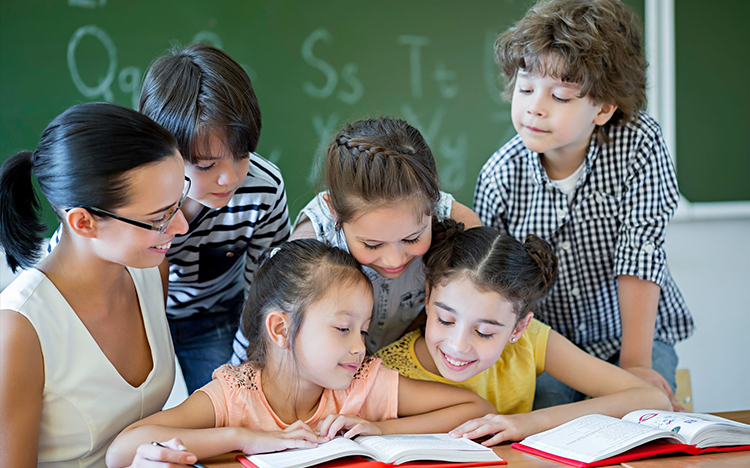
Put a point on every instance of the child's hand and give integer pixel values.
(505, 427)
(298, 435)
(170, 452)
(649, 375)
(334, 423)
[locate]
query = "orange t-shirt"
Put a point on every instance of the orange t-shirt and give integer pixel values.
(237, 395)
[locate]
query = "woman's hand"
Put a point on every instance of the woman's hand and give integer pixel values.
(298, 435)
(169, 453)
(334, 423)
(504, 427)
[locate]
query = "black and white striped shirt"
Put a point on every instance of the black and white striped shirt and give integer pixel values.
(614, 225)
(207, 264)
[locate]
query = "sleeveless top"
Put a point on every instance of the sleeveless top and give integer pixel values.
(85, 401)
(397, 300)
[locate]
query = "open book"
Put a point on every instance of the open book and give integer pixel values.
(596, 440)
(388, 449)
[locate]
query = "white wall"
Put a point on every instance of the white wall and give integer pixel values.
(710, 261)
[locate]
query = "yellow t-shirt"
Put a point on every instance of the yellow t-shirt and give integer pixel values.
(509, 384)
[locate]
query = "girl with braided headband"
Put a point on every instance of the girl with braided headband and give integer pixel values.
(482, 289)
(382, 197)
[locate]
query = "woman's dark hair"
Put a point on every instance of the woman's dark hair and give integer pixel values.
(290, 279)
(495, 262)
(199, 89)
(380, 161)
(82, 159)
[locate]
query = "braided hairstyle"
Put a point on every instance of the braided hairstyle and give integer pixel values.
(380, 162)
(495, 262)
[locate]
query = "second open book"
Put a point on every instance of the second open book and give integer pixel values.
(596, 440)
(390, 449)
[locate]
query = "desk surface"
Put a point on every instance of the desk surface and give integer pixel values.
(517, 459)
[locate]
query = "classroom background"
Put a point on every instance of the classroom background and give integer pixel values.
(316, 65)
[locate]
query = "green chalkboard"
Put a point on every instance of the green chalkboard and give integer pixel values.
(314, 66)
(712, 96)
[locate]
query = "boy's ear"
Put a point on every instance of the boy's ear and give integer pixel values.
(81, 222)
(605, 113)
(277, 326)
(521, 327)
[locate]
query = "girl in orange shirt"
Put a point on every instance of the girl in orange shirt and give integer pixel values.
(307, 378)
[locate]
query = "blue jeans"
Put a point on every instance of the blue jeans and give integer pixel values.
(552, 392)
(203, 342)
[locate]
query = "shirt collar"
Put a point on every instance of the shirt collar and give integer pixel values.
(540, 175)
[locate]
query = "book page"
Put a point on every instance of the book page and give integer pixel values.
(337, 448)
(593, 437)
(689, 425)
(391, 448)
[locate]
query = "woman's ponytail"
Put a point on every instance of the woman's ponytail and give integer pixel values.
(21, 230)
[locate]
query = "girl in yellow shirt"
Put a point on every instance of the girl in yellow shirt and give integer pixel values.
(481, 335)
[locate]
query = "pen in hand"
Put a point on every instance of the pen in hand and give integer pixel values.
(194, 465)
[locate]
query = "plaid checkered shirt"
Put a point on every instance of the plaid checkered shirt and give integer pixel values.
(614, 225)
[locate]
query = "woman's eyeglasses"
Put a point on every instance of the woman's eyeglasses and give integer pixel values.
(161, 227)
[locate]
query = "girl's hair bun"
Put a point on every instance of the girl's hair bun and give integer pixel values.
(541, 251)
(443, 231)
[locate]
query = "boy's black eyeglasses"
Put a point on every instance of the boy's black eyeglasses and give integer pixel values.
(160, 228)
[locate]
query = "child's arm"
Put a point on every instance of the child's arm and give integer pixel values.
(463, 214)
(303, 230)
(639, 301)
(270, 231)
(614, 392)
(423, 407)
(650, 198)
(21, 386)
(192, 422)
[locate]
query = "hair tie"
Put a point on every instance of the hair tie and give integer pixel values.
(273, 252)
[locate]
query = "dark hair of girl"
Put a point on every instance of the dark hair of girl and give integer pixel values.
(290, 279)
(82, 159)
(199, 89)
(495, 262)
(379, 162)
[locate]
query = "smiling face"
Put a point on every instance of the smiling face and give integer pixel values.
(154, 192)
(216, 176)
(552, 118)
(388, 239)
(467, 329)
(330, 345)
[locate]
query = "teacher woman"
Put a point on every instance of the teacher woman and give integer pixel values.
(84, 342)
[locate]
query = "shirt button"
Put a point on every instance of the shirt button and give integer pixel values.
(230, 254)
(599, 197)
(561, 213)
(648, 247)
(575, 292)
(565, 245)
(385, 286)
